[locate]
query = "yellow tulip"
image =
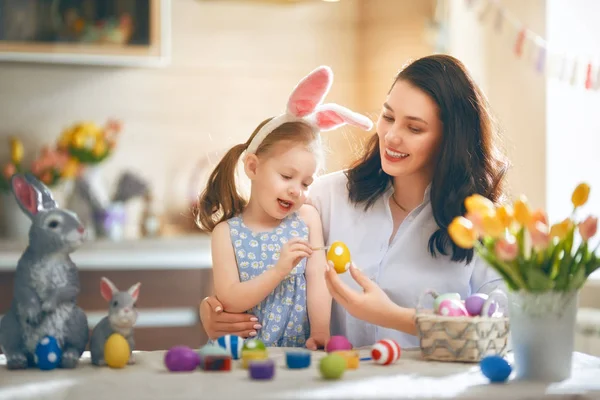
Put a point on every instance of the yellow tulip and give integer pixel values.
(492, 226)
(99, 148)
(580, 195)
(521, 211)
(561, 229)
(16, 150)
(476, 203)
(78, 139)
(505, 215)
(462, 232)
(66, 138)
(71, 168)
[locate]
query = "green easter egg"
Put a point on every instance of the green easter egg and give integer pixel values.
(254, 344)
(332, 366)
(445, 296)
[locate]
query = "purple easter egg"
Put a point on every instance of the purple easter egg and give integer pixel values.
(452, 308)
(181, 358)
(337, 343)
(474, 303)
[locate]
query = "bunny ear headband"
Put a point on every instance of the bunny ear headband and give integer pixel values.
(304, 105)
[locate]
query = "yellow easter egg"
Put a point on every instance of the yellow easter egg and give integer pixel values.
(339, 255)
(116, 351)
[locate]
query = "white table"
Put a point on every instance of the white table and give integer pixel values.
(411, 377)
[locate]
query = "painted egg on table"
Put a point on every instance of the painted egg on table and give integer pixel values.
(233, 344)
(337, 343)
(339, 255)
(386, 352)
(254, 344)
(116, 351)
(332, 366)
(181, 358)
(48, 354)
(442, 297)
(452, 308)
(495, 368)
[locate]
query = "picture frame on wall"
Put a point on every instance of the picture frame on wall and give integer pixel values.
(95, 32)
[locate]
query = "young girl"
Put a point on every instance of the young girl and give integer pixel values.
(262, 250)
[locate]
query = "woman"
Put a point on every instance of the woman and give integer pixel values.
(434, 147)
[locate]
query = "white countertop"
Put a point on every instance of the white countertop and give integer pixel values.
(180, 252)
(409, 378)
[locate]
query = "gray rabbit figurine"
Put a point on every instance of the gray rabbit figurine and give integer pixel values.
(121, 318)
(46, 281)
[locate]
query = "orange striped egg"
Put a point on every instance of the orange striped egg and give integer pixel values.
(386, 352)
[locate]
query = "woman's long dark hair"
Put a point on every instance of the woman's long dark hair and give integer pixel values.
(469, 161)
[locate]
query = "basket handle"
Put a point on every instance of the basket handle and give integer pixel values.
(488, 303)
(429, 292)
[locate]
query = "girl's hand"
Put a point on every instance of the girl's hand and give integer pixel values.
(292, 253)
(317, 340)
(372, 305)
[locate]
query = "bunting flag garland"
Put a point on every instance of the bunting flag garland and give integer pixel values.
(578, 71)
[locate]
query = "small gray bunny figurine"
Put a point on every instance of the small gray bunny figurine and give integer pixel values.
(46, 281)
(121, 318)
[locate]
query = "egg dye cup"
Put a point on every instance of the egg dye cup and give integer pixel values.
(298, 359)
(261, 369)
(351, 356)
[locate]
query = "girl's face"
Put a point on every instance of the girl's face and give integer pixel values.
(280, 178)
(410, 132)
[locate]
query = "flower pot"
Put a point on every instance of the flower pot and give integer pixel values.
(542, 333)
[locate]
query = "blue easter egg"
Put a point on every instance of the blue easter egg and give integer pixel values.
(48, 353)
(233, 344)
(495, 368)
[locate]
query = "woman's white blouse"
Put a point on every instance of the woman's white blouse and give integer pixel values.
(404, 268)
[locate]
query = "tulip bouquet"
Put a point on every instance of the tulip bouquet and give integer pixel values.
(89, 143)
(530, 254)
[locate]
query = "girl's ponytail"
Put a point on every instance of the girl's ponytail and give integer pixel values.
(220, 199)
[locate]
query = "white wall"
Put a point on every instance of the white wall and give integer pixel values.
(573, 135)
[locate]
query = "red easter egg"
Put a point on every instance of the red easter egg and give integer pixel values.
(386, 352)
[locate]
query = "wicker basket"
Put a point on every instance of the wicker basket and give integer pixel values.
(460, 339)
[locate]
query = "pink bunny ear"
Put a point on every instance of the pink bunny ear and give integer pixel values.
(310, 92)
(107, 289)
(27, 197)
(331, 116)
(134, 291)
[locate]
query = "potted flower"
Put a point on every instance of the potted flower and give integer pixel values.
(544, 267)
(89, 144)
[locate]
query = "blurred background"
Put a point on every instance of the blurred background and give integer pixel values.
(123, 107)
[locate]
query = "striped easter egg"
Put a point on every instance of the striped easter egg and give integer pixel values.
(233, 344)
(386, 352)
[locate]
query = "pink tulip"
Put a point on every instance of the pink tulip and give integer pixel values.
(9, 170)
(507, 248)
(477, 221)
(540, 235)
(588, 228)
(36, 167)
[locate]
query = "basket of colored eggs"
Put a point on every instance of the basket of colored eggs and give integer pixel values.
(459, 330)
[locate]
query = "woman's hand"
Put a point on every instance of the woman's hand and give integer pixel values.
(218, 323)
(372, 305)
